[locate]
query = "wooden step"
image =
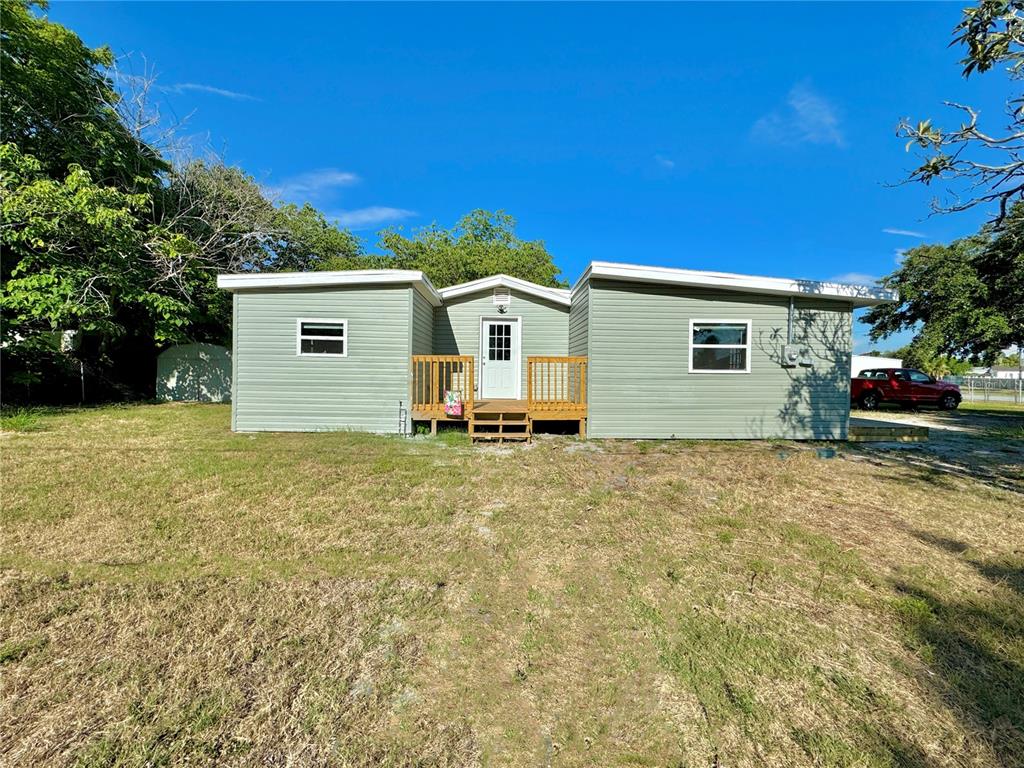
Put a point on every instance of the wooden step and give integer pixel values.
(869, 431)
(500, 426)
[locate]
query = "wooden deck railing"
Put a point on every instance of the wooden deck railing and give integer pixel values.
(432, 375)
(557, 386)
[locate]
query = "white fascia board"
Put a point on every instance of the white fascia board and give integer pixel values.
(557, 295)
(258, 280)
(858, 295)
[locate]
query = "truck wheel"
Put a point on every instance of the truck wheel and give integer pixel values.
(869, 401)
(949, 402)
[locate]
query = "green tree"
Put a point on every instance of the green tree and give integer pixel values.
(482, 243)
(307, 241)
(987, 167)
(72, 253)
(961, 300)
(59, 105)
(934, 365)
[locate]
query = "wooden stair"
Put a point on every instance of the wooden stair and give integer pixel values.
(876, 431)
(499, 426)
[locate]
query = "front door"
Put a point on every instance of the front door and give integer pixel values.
(499, 359)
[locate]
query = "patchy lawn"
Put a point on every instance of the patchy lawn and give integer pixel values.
(174, 593)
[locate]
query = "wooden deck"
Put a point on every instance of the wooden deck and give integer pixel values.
(556, 391)
(878, 431)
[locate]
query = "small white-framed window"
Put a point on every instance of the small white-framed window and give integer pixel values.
(720, 346)
(321, 337)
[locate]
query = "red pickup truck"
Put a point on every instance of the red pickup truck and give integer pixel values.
(905, 386)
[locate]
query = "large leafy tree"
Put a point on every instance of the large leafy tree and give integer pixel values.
(73, 248)
(482, 243)
(59, 105)
(308, 241)
(103, 237)
(962, 299)
(979, 166)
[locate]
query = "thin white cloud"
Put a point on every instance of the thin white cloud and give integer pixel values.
(899, 254)
(210, 89)
(374, 215)
(904, 232)
(854, 278)
(665, 162)
(861, 344)
(807, 118)
(312, 185)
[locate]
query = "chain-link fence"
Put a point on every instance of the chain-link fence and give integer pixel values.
(989, 389)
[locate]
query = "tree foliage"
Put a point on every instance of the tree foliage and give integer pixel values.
(482, 243)
(101, 235)
(982, 166)
(59, 106)
(108, 232)
(308, 241)
(71, 253)
(962, 299)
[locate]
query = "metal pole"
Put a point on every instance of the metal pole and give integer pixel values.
(1020, 373)
(789, 326)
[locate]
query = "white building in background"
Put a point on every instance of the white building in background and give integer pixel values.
(868, 362)
(1003, 372)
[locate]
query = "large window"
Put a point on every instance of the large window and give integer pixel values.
(321, 338)
(719, 346)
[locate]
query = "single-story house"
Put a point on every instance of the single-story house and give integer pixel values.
(629, 352)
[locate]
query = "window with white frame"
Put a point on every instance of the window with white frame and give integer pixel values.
(319, 337)
(719, 346)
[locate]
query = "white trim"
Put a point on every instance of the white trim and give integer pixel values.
(327, 320)
(857, 295)
(747, 346)
(557, 295)
(518, 356)
(256, 280)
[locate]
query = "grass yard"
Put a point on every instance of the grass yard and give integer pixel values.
(176, 594)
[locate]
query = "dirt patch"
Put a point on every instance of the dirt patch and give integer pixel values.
(982, 444)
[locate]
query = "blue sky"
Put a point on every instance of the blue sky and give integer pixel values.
(745, 138)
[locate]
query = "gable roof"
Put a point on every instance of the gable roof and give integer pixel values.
(248, 280)
(557, 295)
(858, 295)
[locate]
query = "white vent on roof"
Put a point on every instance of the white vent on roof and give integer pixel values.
(502, 297)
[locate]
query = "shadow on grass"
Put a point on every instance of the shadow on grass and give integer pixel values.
(973, 648)
(1002, 471)
(1003, 572)
(879, 748)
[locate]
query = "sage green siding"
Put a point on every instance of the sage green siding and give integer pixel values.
(422, 324)
(545, 326)
(276, 389)
(579, 320)
(234, 359)
(639, 379)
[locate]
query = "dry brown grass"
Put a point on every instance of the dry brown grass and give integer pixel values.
(172, 592)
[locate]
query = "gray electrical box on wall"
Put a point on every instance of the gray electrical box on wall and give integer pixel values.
(792, 356)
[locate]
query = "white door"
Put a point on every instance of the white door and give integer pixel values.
(499, 358)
